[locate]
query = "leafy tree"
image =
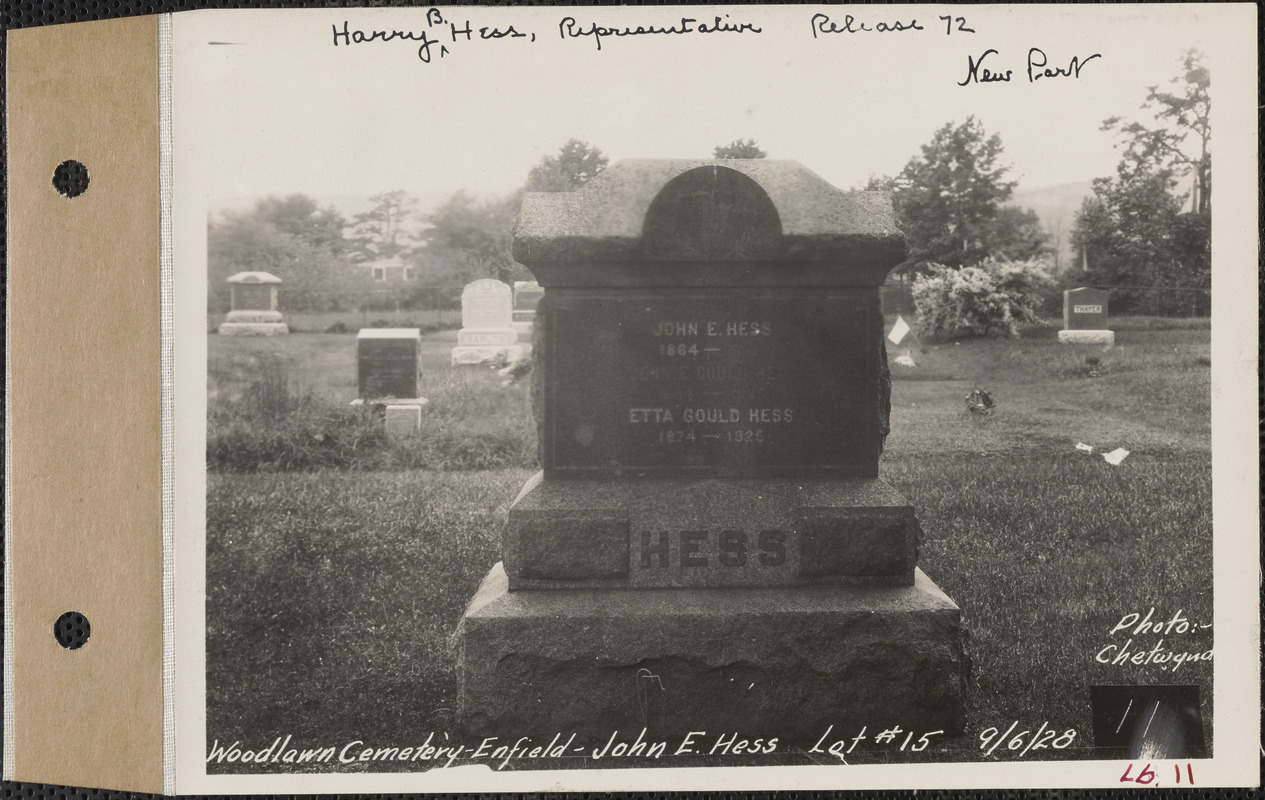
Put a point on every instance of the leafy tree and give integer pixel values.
(948, 199)
(468, 239)
(1179, 139)
(1016, 234)
(576, 164)
(739, 148)
(383, 231)
(1134, 231)
(292, 238)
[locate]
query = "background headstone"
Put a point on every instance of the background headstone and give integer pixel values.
(387, 362)
(254, 306)
(527, 296)
(487, 332)
(712, 398)
(1085, 317)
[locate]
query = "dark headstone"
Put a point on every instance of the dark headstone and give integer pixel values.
(527, 296)
(1085, 309)
(712, 397)
(387, 362)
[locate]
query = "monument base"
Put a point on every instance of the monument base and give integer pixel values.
(1087, 337)
(485, 354)
(771, 662)
(253, 328)
(524, 330)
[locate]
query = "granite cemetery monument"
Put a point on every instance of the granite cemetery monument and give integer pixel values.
(253, 306)
(1085, 317)
(387, 371)
(709, 546)
(487, 332)
(527, 296)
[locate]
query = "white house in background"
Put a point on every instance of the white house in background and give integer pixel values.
(391, 270)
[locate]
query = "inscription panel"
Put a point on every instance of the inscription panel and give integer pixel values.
(387, 368)
(1085, 309)
(711, 384)
(252, 297)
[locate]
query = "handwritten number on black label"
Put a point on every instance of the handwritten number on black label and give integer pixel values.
(948, 25)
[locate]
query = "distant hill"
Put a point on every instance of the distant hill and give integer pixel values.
(1056, 206)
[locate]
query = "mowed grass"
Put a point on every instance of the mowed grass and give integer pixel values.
(332, 596)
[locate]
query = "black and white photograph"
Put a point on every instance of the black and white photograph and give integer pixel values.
(726, 396)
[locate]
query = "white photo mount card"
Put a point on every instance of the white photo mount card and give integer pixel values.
(757, 397)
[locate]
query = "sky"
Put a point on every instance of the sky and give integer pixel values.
(274, 102)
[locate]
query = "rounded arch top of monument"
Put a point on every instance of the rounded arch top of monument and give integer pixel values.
(254, 277)
(646, 211)
(712, 213)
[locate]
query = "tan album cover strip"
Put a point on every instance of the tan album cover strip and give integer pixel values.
(84, 392)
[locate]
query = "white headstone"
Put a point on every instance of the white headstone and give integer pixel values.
(486, 303)
(487, 330)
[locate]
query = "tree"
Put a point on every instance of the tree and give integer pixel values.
(1134, 231)
(292, 238)
(576, 164)
(947, 200)
(1016, 234)
(382, 231)
(1179, 139)
(468, 239)
(739, 148)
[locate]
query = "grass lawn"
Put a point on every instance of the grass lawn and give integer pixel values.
(332, 595)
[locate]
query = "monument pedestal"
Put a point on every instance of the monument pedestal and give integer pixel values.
(772, 662)
(1087, 337)
(484, 354)
(253, 323)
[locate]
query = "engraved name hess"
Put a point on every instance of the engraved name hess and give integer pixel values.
(698, 548)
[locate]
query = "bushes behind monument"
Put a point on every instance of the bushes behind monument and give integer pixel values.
(993, 297)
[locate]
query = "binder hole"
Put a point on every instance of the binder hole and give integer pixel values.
(72, 630)
(70, 179)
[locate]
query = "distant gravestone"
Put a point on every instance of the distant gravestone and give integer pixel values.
(1085, 317)
(253, 306)
(387, 362)
(387, 371)
(527, 296)
(712, 397)
(487, 332)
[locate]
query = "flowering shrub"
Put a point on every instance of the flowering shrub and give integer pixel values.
(993, 296)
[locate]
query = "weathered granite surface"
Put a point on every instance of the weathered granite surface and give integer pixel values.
(758, 221)
(764, 662)
(686, 533)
